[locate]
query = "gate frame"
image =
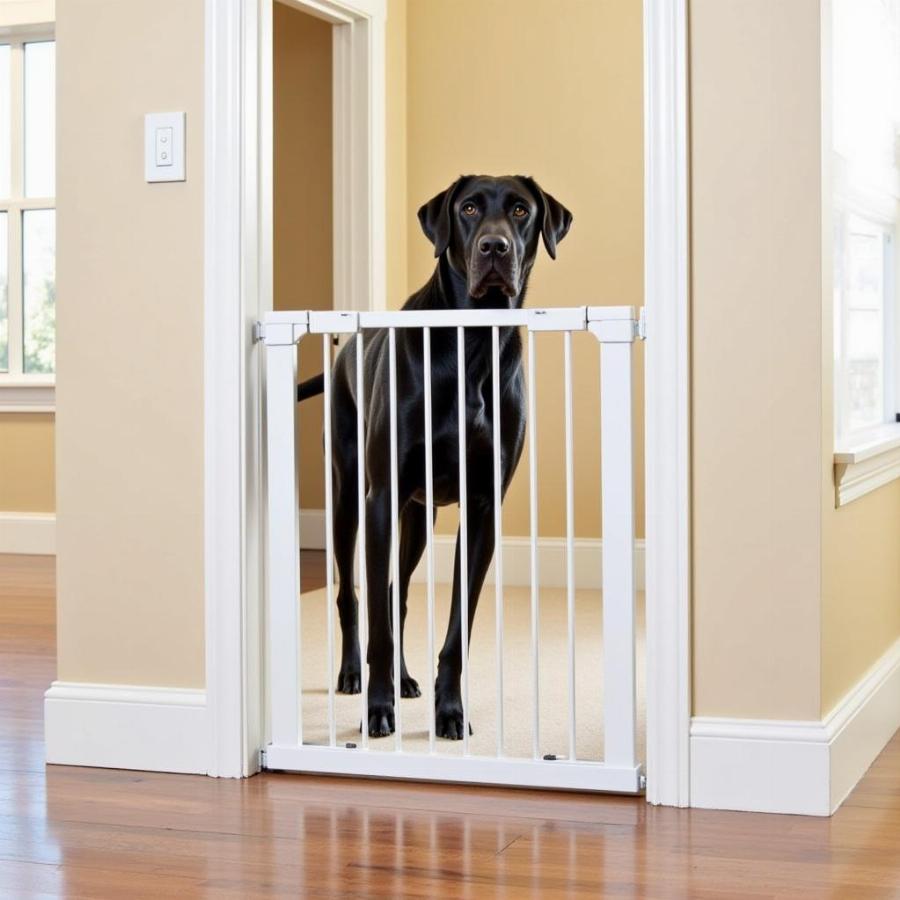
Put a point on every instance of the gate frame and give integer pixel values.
(237, 290)
(615, 329)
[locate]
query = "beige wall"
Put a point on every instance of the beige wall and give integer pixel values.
(860, 541)
(396, 135)
(553, 90)
(130, 386)
(757, 388)
(14, 13)
(793, 599)
(303, 206)
(27, 481)
(861, 587)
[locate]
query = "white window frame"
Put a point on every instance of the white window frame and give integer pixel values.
(21, 391)
(879, 216)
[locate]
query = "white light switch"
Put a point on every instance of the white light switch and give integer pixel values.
(164, 146)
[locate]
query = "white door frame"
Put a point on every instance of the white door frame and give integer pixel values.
(667, 401)
(238, 290)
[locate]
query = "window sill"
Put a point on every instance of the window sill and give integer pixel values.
(27, 395)
(866, 462)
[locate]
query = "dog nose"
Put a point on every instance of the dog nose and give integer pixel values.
(493, 244)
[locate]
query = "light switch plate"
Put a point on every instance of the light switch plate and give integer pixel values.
(160, 163)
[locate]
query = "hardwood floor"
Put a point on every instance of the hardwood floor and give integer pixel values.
(102, 833)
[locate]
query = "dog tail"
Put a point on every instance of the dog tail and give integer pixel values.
(310, 388)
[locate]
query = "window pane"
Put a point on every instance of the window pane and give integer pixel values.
(4, 297)
(864, 287)
(40, 119)
(39, 272)
(5, 126)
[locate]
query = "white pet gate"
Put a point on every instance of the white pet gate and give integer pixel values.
(615, 329)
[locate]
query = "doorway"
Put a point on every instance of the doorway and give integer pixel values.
(664, 207)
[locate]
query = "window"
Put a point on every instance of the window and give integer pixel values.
(864, 266)
(866, 185)
(27, 220)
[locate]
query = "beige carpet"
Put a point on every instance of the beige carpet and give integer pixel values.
(517, 668)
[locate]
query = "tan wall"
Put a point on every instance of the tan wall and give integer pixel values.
(396, 150)
(553, 90)
(14, 13)
(757, 332)
(27, 479)
(27, 482)
(861, 588)
(303, 206)
(860, 541)
(130, 387)
(303, 193)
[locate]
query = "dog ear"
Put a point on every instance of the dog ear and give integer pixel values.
(435, 218)
(556, 219)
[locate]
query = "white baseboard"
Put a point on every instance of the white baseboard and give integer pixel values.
(312, 529)
(805, 768)
(551, 562)
(862, 723)
(758, 765)
(156, 729)
(31, 533)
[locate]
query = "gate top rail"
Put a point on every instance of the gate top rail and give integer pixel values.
(610, 324)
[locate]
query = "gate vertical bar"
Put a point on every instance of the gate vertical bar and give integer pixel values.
(570, 534)
(498, 528)
(617, 486)
(429, 529)
(363, 603)
(463, 528)
(329, 535)
(283, 511)
(395, 536)
(533, 512)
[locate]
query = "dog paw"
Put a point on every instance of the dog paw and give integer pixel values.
(409, 687)
(381, 721)
(448, 722)
(348, 681)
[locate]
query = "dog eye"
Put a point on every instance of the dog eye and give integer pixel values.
(469, 209)
(519, 211)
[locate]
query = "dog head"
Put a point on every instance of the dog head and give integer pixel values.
(490, 227)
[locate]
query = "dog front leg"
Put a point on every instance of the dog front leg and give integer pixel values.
(448, 702)
(346, 515)
(380, 651)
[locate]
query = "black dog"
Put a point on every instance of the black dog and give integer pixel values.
(485, 233)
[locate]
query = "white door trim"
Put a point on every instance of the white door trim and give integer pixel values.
(224, 371)
(238, 292)
(667, 392)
